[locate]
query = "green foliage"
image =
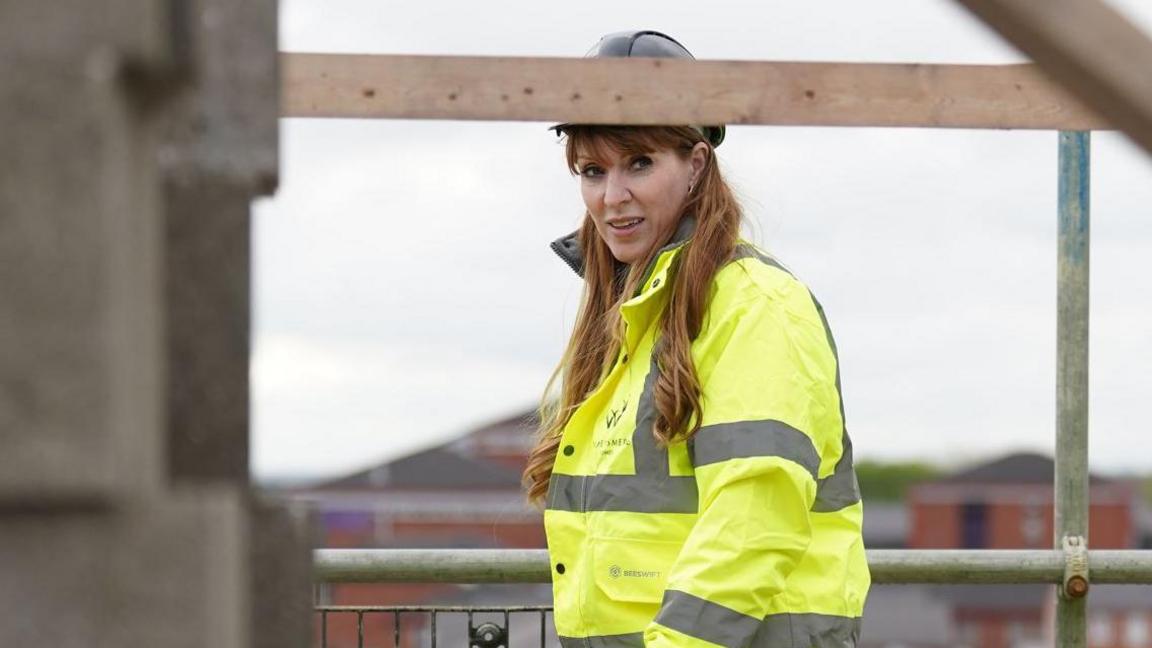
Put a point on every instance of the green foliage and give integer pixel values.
(881, 481)
(1146, 489)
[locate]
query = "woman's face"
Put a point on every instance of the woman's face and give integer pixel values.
(636, 201)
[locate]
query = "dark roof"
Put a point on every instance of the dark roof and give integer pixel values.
(436, 468)
(1018, 468)
(525, 421)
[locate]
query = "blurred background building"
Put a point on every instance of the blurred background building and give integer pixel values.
(467, 494)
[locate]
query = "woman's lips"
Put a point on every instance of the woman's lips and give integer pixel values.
(625, 227)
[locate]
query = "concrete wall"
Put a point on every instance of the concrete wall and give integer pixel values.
(134, 135)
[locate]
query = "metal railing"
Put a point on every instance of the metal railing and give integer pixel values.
(455, 626)
(509, 566)
(1070, 564)
(888, 566)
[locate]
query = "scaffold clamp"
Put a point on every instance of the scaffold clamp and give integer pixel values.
(1075, 567)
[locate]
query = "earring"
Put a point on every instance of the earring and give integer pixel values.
(690, 185)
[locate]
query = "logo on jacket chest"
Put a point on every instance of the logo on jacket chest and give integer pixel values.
(612, 419)
(615, 415)
(608, 445)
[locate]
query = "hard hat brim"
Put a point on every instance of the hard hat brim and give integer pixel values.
(714, 135)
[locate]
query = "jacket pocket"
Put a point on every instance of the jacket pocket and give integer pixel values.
(627, 569)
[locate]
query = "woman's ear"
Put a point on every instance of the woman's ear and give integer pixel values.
(698, 159)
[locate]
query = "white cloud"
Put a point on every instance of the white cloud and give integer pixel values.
(338, 405)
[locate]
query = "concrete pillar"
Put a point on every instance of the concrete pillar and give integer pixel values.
(162, 571)
(135, 133)
(220, 151)
(81, 366)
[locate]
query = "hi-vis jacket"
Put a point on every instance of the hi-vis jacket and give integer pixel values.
(748, 535)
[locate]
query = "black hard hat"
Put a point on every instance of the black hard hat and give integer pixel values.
(646, 43)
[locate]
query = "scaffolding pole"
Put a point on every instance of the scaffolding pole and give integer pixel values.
(1070, 526)
(888, 566)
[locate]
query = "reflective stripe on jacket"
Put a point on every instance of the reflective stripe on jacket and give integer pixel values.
(749, 534)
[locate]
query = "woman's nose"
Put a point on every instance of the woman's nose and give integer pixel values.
(616, 190)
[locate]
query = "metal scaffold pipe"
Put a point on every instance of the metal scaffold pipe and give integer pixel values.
(1071, 488)
(890, 566)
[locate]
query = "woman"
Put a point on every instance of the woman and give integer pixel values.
(696, 471)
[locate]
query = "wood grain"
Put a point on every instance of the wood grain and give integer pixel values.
(660, 91)
(1088, 47)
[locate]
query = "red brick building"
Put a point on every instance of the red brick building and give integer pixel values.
(463, 494)
(1007, 504)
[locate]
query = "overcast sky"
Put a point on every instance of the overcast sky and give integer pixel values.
(405, 292)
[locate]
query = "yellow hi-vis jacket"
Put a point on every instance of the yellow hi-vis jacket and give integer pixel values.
(749, 534)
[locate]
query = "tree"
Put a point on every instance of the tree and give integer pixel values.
(881, 481)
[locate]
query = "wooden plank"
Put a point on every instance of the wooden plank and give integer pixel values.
(661, 91)
(1088, 47)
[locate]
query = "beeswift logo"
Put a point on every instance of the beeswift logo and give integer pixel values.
(616, 572)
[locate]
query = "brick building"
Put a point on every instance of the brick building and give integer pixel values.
(463, 494)
(1006, 504)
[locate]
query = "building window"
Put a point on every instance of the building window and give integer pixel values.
(1100, 630)
(1137, 632)
(969, 634)
(322, 594)
(1032, 525)
(1022, 634)
(974, 525)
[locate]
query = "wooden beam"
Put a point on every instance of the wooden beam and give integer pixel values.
(1089, 48)
(661, 91)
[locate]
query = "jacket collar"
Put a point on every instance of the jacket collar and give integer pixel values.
(568, 247)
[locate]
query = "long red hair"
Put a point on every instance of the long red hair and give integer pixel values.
(597, 335)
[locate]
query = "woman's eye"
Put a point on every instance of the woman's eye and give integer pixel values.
(641, 162)
(591, 171)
